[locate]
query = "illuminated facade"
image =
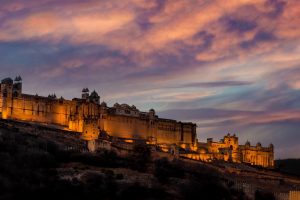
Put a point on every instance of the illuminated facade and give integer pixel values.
(88, 116)
(228, 149)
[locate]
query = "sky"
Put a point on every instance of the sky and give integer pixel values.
(229, 66)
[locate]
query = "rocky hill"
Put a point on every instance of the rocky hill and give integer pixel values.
(291, 166)
(40, 162)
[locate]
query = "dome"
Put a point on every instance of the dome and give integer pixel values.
(94, 94)
(116, 105)
(7, 81)
(18, 78)
(247, 143)
(103, 104)
(271, 145)
(151, 112)
(53, 96)
(258, 144)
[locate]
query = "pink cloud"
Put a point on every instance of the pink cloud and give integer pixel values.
(171, 32)
(114, 24)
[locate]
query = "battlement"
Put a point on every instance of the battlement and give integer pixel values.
(87, 116)
(228, 148)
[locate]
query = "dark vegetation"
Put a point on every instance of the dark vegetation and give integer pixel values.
(260, 195)
(290, 166)
(29, 170)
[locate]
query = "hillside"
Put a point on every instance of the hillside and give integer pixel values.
(291, 166)
(44, 162)
(37, 166)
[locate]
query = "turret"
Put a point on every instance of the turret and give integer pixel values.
(247, 144)
(116, 105)
(258, 145)
(152, 113)
(231, 140)
(104, 104)
(52, 96)
(17, 87)
(85, 93)
(6, 97)
(7, 87)
(94, 97)
(209, 140)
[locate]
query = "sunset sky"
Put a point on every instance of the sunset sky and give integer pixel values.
(227, 65)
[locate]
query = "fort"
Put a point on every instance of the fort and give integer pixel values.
(91, 118)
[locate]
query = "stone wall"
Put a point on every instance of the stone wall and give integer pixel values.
(164, 131)
(87, 116)
(294, 195)
(257, 155)
(228, 149)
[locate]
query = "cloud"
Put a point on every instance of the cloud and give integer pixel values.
(240, 25)
(224, 64)
(280, 128)
(217, 84)
(205, 113)
(56, 27)
(258, 38)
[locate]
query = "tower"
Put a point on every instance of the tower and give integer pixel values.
(152, 136)
(94, 97)
(17, 87)
(85, 93)
(6, 88)
(6, 97)
(152, 114)
(231, 141)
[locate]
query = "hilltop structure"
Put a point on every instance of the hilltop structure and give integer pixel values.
(87, 116)
(228, 149)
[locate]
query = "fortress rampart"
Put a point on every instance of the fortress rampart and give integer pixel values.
(87, 116)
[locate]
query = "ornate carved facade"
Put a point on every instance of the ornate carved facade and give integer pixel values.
(88, 116)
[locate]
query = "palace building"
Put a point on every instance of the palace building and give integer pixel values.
(90, 117)
(228, 149)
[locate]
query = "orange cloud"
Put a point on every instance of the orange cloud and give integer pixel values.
(54, 26)
(277, 116)
(288, 24)
(171, 31)
(180, 24)
(99, 24)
